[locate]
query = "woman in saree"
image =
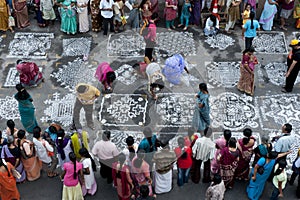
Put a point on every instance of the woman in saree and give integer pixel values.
(26, 108)
(196, 12)
(257, 180)
(31, 163)
(246, 82)
(10, 153)
(30, 74)
(228, 158)
(268, 14)
(21, 11)
(68, 17)
(82, 10)
(4, 15)
(201, 118)
(96, 16)
(245, 146)
(170, 12)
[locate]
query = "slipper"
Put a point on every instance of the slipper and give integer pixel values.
(180, 25)
(185, 28)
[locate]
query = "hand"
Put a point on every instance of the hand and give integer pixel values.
(287, 74)
(253, 178)
(280, 195)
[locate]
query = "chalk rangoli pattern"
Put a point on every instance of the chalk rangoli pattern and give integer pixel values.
(171, 43)
(9, 108)
(231, 111)
(223, 74)
(30, 45)
(296, 35)
(279, 109)
(126, 74)
(220, 41)
(60, 109)
(12, 78)
(73, 73)
(76, 46)
(276, 73)
(123, 110)
(119, 138)
(175, 110)
(270, 42)
(125, 45)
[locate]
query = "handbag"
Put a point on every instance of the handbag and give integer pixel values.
(11, 21)
(261, 169)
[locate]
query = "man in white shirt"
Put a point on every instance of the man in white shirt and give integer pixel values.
(45, 152)
(106, 8)
(106, 151)
(285, 141)
(203, 151)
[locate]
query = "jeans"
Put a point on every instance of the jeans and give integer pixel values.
(248, 42)
(88, 108)
(183, 176)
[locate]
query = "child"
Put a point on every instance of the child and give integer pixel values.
(63, 145)
(48, 11)
(89, 167)
(216, 190)
(82, 10)
(246, 14)
(279, 180)
(185, 14)
(211, 26)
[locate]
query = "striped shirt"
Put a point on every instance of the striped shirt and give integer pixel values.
(204, 149)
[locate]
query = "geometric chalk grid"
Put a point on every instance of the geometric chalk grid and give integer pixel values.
(123, 110)
(279, 109)
(60, 109)
(77, 71)
(9, 108)
(276, 73)
(119, 138)
(76, 46)
(170, 43)
(296, 35)
(126, 74)
(175, 110)
(128, 44)
(271, 42)
(223, 74)
(220, 41)
(232, 111)
(30, 45)
(13, 78)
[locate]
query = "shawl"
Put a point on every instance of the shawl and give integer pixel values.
(60, 148)
(75, 142)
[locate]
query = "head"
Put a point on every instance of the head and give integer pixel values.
(248, 6)
(252, 15)
(121, 158)
(294, 44)
(187, 1)
(247, 132)
(10, 139)
(81, 89)
(37, 132)
(203, 87)
(144, 190)
(264, 139)
(207, 132)
(140, 157)
(106, 135)
(21, 134)
(154, 16)
(19, 61)
(10, 124)
(129, 141)
(287, 128)
(281, 166)
(52, 129)
(217, 179)
(60, 134)
(147, 132)
(272, 155)
(232, 142)
(19, 87)
(250, 50)
(227, 134)
(110, 77)
(180, 142)
(84, 152)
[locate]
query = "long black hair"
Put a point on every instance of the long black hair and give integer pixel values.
(22, 93)
(213, 19)
(5, 166)
(110, 77)
(227, 135)
(60, 142)
(281, 166)
(203, 86)
(11, 125)
(130, 142)
(21, 134)
(73, 159)
(252, 15)
(85, 153)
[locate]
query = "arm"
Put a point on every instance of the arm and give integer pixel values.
(48, 146)
(129, 178)
(272, 3)
(63, 175)
(284, 154)
(291, 68)
(255, 172)
(26, 147)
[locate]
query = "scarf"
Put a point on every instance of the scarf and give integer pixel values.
(60, 148)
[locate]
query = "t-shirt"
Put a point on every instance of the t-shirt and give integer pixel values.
(251, 32)
(282, 177)
(104, 5)
(69, 168)
(284, 143)
(184, 163)
(105, 150)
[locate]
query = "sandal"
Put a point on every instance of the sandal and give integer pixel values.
(185, 28)
(180, 25)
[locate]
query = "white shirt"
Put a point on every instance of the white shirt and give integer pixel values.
(89, 179)
(284, 143)
(41, 150)
(105, 150)
(210, 24)
(104, 5)
(204, 149)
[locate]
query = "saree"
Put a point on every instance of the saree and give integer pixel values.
(8, 187)
(201, 119)
(21, 13)
(30, 74)
(256, 188)
(8, 156)
(68, 17)
(122, 181)
(83, 16)
(196, 12)
(96, 17)
(215, 164)
(102, 71)
(174, 68)
(228, 165)
(267, 16)
(26, 109)
(242, 170)
(3, 16)
(246, 81)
